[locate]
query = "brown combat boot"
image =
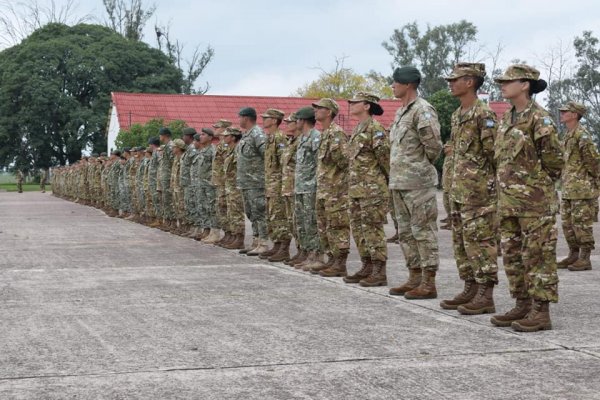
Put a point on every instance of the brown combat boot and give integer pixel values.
(315, 258)
(318, 265)
(519, 311)
(583, 263)
(236, 242)
(283, 252)
(202, 234)
(323, 265)
(338, 268)
(570, 259)
(364, 272)
(377, 277)
(482, 303)
(251, 247)
(426, 290)
(302, 255)
(469, 291)
(538, 319)
(225, 239)
(295, 257)
(393, 239)
(261, 247)
(414, 280)
(265, 255)
(155, 223)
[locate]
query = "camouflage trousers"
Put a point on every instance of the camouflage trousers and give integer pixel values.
(288, 202)
(206, 197)
(149, 209)
(393, 213)
(417, 213)
(235, 221)
(156, 202)
(166, 201)
(141, 200)
(277, 223)
(447, 204)
(190, 204)
(577, 221)
(333, 224)
(178, 206)
(20, 186)
(367, 217)
(475, 245)
(222, 214)
(529, 250)
(255, 208)
(306, 220)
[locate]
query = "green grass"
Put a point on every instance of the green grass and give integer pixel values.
(12, 187)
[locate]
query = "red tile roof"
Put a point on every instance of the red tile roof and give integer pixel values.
(200, 111)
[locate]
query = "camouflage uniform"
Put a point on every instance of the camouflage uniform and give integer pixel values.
(579, 188)
(175, 188)
(277, 224)
(235, 220)
(415, 145)
(332, 191)
(139, 186)
(189, 199)
(447, 180)
(368, 172)
(19, 176)
(288, 172)
(305, 188)
(43, 179)
(528, 159)
(473, 193)
(154, 196)
(205, 195)
(164, 175)
(251, 178)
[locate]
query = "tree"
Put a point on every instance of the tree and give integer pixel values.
(587, 78)
(128, 18)
(138, 134)
(343, 83)
(434, 52)
(55, 90)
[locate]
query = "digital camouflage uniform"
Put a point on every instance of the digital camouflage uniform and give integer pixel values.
(473, 193)
(175, 188)
(164, 176)
(19, 177)
(278, 227)
(529, 160)
(154, 196)
(186, 184)
(332, 191)
(205, 194)
(415, 145)
(251, 178)
(368, 172)
(139, 186)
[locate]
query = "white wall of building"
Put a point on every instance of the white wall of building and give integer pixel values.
(113, 129)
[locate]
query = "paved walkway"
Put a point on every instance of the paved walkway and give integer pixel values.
(97, 307)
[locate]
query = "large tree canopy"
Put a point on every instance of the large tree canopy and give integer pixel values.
(55, 90)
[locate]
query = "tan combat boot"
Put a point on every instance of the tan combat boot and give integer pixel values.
(213, 237)
(583, 263)
(329, 263)
(283, 252)
(318, 265)
(226, 238)
(302, 256)
(295, 257)
(519, 311)
(310, 257)
(251, 247)
(265, 255)
(538, 319)
(414, 280)
(570, 259)
(338, 267)
(155, 223)
(315, 258)
(378, 276)
(469, 291)
(364, 272)
(482, 303)
(236, 242)
(202, 233)
(261, 247)
(193, 232)
(426, 290)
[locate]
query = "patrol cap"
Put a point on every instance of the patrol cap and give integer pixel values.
(232, 131)
(165, 131)
(575, 107)
(370, 98)
(329, 104)
(467, 69)
(189, 131)
(407, 74)
(179, 143)
(305, 113)
(154, 141)
(222, 123)
(247, 112)
(149, 149)
(273, 113)
(197, 137)
(291, 118)
(523, 72)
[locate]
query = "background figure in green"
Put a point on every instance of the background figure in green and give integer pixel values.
(19, 178)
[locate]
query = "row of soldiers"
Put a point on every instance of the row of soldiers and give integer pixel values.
(319, 187)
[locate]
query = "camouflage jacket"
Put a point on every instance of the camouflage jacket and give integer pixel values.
(528, 159)
(230, 170)
(305, 175)
(473, 172)
(332, 167)
(251, 159)
(141, 172)
(202, 164)
(153, 171)
(175, 182)
(369, 157)
(447, 170)
(276, 143)
(415, 145)
(218, 177)
(581, 172)
(186, 165)
(164, 165)
(288, 167)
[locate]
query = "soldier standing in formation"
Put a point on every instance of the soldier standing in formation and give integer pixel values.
(206, 195)
(288, 172)
(164, 177)
(189, 199)
(235, 223)
(218, 178)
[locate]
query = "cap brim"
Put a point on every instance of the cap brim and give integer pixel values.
(503, 78)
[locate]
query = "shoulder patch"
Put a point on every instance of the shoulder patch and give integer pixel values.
(379, 134)
(427, 115)
(547, 121)
(489, 123)
(282, 145)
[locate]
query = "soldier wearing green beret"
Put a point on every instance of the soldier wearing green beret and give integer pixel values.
(579, 188)
(472, 191)
(529, 160)
(415, 145)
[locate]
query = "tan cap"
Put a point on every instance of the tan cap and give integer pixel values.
(232, 130)
(328, 103)
(222, 123)
(291, 118)
(179, 143)
(575, 107)
(519, 71)
(369, 98)
(273, 113)
(467, 69)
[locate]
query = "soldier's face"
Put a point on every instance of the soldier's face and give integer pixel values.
(268, 122)
(244, 122)
(567, 116)
(205, 139)
(228, 139)
(321, 113)
(197, 144)
(399, 89)
(358, 108)
(459, 87)
(512, 89)
(290, 127)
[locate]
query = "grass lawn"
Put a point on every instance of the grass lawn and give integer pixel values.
(12, 187)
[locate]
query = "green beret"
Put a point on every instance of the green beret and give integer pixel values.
(305, 113)
(189, 131)
(247, 112)
(407, 74)
(165, 131)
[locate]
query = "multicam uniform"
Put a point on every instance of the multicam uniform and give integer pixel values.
(277, 225)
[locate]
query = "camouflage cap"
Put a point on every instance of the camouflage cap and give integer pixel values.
(328, 103)
(305, 113)
(189, 131)
(517, 72)
(291, 118)
(370, 98)
(179, 143)
(161, 147)
(232, 131)
(575, 107)
(273, 113)
(222, 123)
(467, 69)
(149, 149)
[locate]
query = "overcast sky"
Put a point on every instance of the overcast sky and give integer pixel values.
(272, 47)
